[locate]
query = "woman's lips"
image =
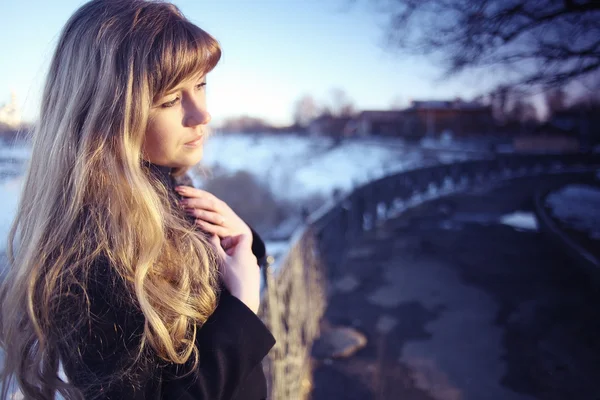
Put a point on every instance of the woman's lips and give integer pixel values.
(195, 142)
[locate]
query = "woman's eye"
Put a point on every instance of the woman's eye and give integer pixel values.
(200, 85)
(170, 103)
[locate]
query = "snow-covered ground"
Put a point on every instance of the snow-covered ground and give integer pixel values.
(20, 152)
(578, 207)
(520, 220)
(296, 167)
(446, 142)
(10, 191)
(12, 161)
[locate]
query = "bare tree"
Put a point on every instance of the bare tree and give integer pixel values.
(539, 42)
(523, 112)
(342, 104)
(556, 100)
(305, 110)
(511, 105)
(501, 100)
(245, 124)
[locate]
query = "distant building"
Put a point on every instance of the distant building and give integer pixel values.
(427, 119)
(459, 117)
(10, 115)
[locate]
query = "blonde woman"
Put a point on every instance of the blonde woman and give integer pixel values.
(136, 290)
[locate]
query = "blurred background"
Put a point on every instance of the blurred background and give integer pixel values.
(443, 154)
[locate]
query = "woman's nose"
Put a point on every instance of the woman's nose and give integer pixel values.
(197, 115)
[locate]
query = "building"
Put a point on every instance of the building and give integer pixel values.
(428, 119)
(458, 117)
(10, 114)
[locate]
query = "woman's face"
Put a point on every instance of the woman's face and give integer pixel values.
(177, 126)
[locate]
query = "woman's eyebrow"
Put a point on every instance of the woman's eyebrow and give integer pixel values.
(201, 79)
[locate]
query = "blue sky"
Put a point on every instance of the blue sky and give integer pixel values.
(274, 51)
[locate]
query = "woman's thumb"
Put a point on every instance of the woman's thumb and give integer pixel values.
(216, 242)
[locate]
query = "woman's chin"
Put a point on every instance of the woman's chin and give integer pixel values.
(192, 157)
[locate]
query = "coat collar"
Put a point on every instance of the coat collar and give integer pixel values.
(161, 173)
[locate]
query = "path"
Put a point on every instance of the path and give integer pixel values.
(458, 306)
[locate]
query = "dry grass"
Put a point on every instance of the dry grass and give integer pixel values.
(292, 308)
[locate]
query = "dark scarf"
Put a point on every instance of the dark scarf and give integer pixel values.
(163, 174)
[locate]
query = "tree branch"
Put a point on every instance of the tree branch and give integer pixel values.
(479, 33)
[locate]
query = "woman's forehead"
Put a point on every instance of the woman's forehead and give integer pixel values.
(192, 79)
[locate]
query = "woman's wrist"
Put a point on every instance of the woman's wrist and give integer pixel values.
(251, 300)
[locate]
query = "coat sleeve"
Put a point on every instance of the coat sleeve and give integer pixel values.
(102, 359)
(232, 344)
(258, 248)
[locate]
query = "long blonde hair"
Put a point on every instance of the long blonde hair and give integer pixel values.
(87, 193)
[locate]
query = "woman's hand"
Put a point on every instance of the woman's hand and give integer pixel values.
(241, 274)
(212, 214)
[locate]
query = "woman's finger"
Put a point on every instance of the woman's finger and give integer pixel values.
(201, 202)
(189, 191)
(213, 229)
(208, 216)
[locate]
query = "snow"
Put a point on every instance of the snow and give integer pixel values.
(10, 191)
(12, 161)
(520, 220)
(19, 152)
(296, 167)
(577, 206)
(446, 141)
(259, 154)
(344, 168)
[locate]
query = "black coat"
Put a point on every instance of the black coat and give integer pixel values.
(231, 344)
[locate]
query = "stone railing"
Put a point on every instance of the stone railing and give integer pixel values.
(295, 296)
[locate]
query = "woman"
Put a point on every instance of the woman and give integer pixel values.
(138, 290)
